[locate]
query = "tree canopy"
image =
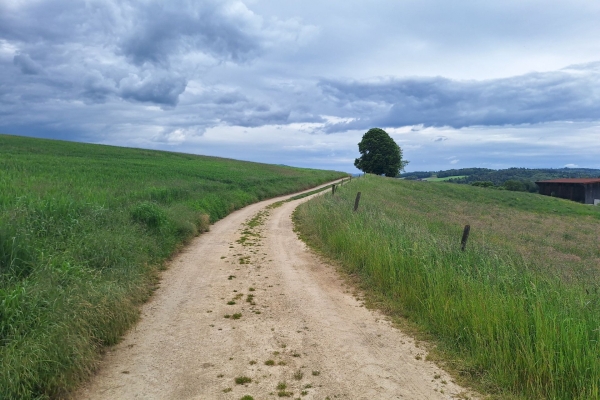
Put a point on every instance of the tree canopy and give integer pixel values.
(498, 177)
(380, 155)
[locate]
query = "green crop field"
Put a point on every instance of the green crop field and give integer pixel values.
(517, 314)
(84, 230)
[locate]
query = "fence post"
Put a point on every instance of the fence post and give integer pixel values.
(465, 237)
(333, 189)
(356, 201)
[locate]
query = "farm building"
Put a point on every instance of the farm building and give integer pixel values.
(582, 190)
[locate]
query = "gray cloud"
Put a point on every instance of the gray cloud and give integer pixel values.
(570, 94)
(144, 31)
(258, 117)
(52, 21)
(158, 74)
(140, 51)
(159, 88)
(27, 65)
(225, 30)
(97, 88)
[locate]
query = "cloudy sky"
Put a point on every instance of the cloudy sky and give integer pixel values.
(465, 83)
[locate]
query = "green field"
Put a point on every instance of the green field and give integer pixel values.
(517, 314)
(84, 230)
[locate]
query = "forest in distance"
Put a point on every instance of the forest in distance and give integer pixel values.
(519, 179)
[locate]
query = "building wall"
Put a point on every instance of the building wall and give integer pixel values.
(592, 191)
(569, 191)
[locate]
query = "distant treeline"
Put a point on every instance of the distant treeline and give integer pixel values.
(499, 178)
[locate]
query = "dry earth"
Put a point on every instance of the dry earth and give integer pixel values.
(301, 317)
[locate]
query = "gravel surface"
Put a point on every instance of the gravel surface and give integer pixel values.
(201, 330)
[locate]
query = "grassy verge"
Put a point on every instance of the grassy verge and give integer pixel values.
(518, 310)
(84, 230)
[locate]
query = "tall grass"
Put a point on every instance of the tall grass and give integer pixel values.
(84, 230)
(521, 325)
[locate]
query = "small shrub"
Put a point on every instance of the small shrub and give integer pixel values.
(485, 184)
(241, 380)
(203, 222)
(298, 375)
(149, 214)
(515, 186)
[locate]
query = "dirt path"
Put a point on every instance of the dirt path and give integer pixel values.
(300, 317)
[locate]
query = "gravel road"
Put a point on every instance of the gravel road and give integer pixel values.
(201, 330)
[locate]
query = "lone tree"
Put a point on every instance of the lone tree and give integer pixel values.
(380, 155)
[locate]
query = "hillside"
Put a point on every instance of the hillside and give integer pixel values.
(499, 177)
(516, 313)
(84, 230)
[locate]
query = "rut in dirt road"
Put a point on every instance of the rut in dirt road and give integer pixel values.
(248, 310)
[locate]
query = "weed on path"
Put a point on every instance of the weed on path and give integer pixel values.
(251, 268)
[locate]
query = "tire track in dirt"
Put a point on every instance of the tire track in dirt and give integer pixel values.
(249, 300)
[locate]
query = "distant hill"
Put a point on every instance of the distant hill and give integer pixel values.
(501, 176)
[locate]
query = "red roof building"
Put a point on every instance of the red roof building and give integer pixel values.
(582, 190)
